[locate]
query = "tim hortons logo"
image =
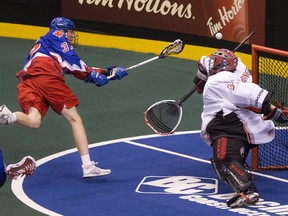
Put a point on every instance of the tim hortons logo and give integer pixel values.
(226, 16)
(163, 7)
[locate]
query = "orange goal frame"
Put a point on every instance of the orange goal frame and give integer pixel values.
(255, 55)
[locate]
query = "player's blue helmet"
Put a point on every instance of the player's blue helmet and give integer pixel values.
(65, 24)
(62, 23)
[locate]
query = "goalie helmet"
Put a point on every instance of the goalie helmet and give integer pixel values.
(223, 60)
(66, 25)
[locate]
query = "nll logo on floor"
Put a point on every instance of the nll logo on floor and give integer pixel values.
(177, 185)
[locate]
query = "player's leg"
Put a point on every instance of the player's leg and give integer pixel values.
(32, 119)
(81, 142)
(229, 157)
(32, 103)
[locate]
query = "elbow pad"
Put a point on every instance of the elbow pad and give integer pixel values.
(266, 105)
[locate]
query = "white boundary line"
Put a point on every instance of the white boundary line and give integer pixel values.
(17, 185)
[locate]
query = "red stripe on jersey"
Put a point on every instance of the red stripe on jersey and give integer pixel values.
(247, 134)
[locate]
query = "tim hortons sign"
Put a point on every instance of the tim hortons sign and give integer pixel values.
(195, 17)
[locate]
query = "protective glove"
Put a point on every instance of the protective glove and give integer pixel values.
(117, 72)
(97, 78)
(279, 115)
(200, 77)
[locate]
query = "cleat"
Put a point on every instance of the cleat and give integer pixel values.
(6, 116)
(25, 167)
(5, 113)
(242, 200)
(92, 170)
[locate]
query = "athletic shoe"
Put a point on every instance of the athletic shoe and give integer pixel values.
(25, 167)
(92, 170)
(5, 115)
(242, 199)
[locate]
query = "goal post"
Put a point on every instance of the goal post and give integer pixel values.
(270, 71)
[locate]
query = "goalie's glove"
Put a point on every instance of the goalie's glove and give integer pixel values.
(278, 115)
(117, 72)
(200, 77)
(96, 78)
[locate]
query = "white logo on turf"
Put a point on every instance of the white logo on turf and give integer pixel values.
(177, 185)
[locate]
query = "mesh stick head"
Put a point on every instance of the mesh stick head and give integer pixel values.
(163, 117)
(173, 48)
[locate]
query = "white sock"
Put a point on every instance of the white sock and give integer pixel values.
(12, 118)
(86, 159)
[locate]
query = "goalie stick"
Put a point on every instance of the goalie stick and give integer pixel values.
(163, 117)
(173, 48)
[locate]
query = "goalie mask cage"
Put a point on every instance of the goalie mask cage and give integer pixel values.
(270, 71)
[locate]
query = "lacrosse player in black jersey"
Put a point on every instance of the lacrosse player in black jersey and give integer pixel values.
(237, 116)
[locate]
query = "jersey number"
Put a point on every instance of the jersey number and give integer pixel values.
(65, 47)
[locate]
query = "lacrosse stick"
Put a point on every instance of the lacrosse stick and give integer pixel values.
(244, 41)
(163, 117)
(171, 49)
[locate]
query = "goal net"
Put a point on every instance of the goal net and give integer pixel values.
(270, 71)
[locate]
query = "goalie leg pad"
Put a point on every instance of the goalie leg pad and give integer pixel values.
(237, 177)
(233, 174)
(220, 168)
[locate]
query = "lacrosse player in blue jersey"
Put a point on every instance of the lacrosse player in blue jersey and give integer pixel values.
(42, 85)
(237, 116)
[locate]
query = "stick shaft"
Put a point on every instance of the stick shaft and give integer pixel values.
(244, 41)
(188, 94)
(137, 65)
(142, 63)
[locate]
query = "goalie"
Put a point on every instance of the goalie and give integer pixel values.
(237, 116)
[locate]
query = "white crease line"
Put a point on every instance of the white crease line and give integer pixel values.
(197, 159)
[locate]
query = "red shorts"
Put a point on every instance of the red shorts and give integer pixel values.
(43, 91)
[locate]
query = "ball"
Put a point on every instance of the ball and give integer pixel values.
(219, 36)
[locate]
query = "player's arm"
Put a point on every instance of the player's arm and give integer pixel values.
(251, 96)
(201, 75)
(99, 76)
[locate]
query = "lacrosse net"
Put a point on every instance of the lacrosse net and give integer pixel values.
(270, 71)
